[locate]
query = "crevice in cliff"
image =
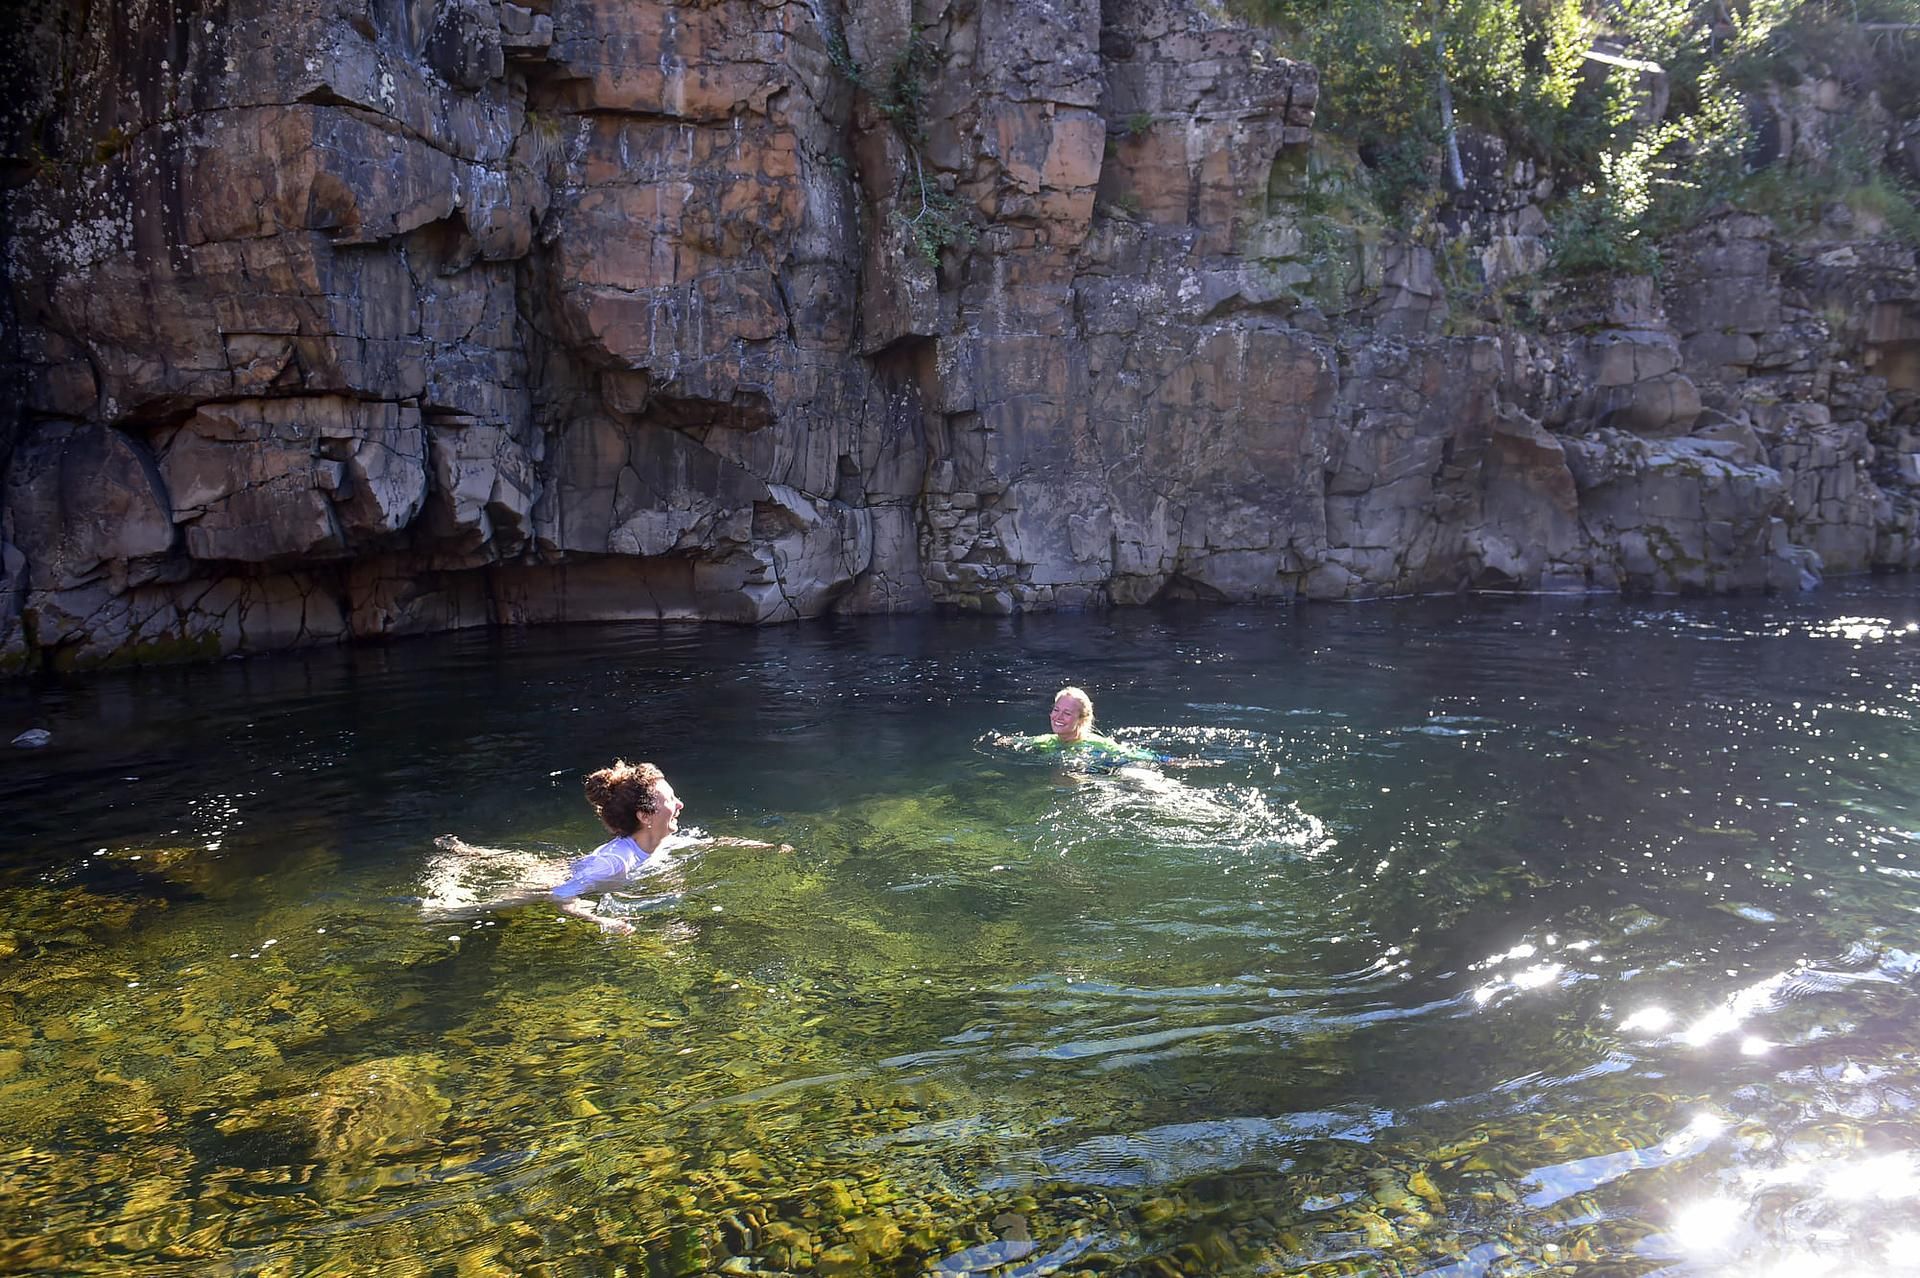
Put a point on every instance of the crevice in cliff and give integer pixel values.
(786, 304)
(1271, 312)
(160, 415)
(326, 96)
(745, 410)
(662, 119)
(124, 139)
(1178, 586)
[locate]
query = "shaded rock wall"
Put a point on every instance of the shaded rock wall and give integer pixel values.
(338, 318)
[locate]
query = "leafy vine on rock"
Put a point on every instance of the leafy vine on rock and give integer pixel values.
(899, 94)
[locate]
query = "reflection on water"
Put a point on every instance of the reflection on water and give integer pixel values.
(1481, 938)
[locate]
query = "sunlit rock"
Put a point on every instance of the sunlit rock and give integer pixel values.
(339, 322)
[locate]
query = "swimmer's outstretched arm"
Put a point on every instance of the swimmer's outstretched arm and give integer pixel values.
(733, 841)
(460, 847)
(1019, 741)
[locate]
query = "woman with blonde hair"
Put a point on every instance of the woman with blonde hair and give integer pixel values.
(1074, 739)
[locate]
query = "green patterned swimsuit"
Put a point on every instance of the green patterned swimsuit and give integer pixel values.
(1093, 752)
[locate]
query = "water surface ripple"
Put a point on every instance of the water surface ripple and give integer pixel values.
(1484, 937)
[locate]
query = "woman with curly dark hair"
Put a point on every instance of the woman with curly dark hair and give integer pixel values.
(639, 808)
(637, 805)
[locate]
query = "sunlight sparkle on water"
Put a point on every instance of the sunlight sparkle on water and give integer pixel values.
(1903, 1250)
(1863, 628)
(1650, 1020)
(1721, 1020)
(1708, 1224)
(1800, 1264)
(1696, 1135)
(1537, 975)
(1890, 1176)
(1760, 997)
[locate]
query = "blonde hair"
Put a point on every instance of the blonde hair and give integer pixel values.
(1085, 720)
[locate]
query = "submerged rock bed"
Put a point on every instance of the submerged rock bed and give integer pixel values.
(338, 1098)
(1442, 962)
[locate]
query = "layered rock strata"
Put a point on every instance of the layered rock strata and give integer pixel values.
(338, 318)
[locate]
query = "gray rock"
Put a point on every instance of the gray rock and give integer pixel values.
(485, 315)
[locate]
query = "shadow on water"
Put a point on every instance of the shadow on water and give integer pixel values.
(1482, 937)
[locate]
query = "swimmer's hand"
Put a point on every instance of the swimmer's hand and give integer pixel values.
(580, 909)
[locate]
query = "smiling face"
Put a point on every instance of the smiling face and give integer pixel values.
(665, 817)
(1071, 715)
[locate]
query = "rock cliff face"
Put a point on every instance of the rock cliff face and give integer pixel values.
(337, 318)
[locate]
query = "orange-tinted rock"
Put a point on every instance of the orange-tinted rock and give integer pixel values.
(470, 313)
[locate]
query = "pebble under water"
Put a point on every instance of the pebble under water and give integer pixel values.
(1492, 937)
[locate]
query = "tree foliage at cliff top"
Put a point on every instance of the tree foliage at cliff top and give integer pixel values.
(1527, 70)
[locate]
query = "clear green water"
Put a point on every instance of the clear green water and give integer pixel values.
(1496, 938)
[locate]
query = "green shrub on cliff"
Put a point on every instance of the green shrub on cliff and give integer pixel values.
(1643, 110)
(1506, 65)
(932, 219)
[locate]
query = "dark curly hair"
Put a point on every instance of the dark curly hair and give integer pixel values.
(621, 793)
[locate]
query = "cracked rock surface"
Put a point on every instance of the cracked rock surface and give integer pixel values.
(341, 318)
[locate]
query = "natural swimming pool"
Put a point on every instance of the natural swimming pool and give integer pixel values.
(1499, 936)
